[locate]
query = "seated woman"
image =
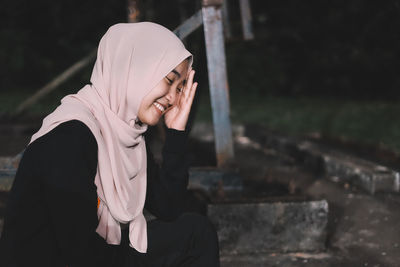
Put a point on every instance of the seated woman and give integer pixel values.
(85, 177)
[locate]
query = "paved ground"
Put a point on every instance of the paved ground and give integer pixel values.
(363, 230)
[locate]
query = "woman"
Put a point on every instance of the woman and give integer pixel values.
(82, 184)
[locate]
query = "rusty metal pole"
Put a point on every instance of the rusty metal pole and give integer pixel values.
(219, 91)
(133, 10)
(245, 12)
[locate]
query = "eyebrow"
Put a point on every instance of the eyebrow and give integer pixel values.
(176, 73)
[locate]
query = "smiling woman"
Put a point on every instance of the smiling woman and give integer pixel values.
(84, 179)
(169, 98)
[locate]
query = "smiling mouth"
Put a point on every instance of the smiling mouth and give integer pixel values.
(160, 107)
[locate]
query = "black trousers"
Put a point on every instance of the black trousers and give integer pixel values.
(190, 240)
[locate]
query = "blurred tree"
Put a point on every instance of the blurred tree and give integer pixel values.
(344, 48)
(39, 39)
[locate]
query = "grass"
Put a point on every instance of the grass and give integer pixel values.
(369, 122)
(255, 75)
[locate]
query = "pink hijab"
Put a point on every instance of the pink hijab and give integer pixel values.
(131, 60)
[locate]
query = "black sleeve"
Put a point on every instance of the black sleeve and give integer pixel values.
(69, 168)
(167, 187)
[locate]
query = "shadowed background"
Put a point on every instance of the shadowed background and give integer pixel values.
(318, 68)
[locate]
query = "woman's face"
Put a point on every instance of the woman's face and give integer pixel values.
(164, 95)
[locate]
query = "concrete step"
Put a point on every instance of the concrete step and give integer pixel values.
(213, 180)
(367, 175)
(322, 259)
(264, 227)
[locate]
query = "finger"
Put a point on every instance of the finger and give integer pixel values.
(192, 93)
(189, 84)
(189, 81)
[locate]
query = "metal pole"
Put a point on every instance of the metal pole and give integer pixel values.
(225, 19)
(53, 84)
(245, 12)
(218, 80)
(189, 26)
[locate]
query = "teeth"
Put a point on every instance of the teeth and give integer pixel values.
(160, 107)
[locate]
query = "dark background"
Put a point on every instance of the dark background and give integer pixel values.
(342, 48)
(321, 69)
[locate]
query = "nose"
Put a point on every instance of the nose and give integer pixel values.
(171, 96)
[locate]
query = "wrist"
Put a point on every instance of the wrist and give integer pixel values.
(176, 128)
(176, 125)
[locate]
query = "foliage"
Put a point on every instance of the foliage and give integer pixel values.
(340, 48)
(343, 48)
(39, 39)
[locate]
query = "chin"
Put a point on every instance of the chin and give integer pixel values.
(150, 118)
(151, 122)
(154, 123)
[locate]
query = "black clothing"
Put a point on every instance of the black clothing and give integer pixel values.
(190, 240)
(51, 215)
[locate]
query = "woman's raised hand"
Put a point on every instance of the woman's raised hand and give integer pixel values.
(177, 117)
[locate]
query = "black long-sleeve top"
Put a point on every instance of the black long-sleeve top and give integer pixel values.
(51, 215)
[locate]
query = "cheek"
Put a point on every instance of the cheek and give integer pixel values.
(160, 91)
(147, 112)
(144, 107)
(140, 113)
(147, 101)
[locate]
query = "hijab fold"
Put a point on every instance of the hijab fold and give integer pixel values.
(131, 59)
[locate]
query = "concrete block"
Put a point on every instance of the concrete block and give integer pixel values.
(298, 259)
(212, 180)
(368, 175)
(266, 227)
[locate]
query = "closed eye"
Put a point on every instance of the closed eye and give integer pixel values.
(169, 80)
(181, 88)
